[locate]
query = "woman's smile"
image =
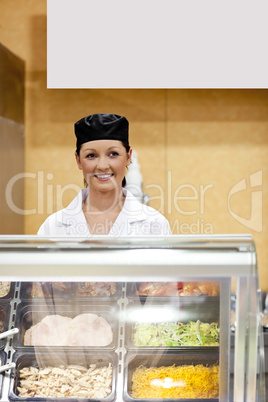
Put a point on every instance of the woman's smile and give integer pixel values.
(103, 177)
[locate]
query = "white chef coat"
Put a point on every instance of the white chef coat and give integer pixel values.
(135, 219)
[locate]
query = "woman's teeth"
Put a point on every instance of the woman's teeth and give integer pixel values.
(103, 176)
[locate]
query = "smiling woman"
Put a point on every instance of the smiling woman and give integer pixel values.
(105, 207)
(103, 164)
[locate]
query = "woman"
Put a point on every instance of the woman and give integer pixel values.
(105, 207)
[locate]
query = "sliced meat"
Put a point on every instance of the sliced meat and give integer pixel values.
(83, 330)
(89, 330)
(51, 331)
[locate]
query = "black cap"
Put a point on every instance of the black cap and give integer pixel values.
(101, 126)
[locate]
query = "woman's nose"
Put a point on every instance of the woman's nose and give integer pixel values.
(103, 163)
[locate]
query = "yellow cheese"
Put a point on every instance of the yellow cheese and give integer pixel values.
(173, 382)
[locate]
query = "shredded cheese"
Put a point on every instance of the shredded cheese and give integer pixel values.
(196, 382)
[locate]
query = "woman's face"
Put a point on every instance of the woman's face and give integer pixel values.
(103, 164)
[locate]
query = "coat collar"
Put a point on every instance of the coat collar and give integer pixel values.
(133, 209)
(73, 215)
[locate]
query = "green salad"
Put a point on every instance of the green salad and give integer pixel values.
(176, 334)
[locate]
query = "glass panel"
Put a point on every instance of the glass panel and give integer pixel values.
(144, 314)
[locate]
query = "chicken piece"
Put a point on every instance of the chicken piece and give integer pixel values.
(159, 288)
(62, 286)
(4, 288)
(200, 288)
(209, 288)
(190, 289)
(40, 289)
(2, 319)
(151, 289)
(95, 288)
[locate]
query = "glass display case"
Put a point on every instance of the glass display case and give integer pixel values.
(130, 319)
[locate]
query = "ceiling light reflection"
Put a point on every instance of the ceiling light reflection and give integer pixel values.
(153, 315)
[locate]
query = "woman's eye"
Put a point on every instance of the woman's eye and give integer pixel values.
(90, 156)
(114, 153)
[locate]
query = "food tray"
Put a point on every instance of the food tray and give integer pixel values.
(66, 291)
(99, 291)
(28, 315)
(133, 361)
(132, 288)
(48, 292)
(41, 360)
(161, 313)
(10, 294)
(4, 317)
(3, 359)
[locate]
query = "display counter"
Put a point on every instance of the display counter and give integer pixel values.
(176, 318)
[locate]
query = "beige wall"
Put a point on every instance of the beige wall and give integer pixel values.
(191, 143)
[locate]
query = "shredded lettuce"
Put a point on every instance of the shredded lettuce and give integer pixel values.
(176, 334)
